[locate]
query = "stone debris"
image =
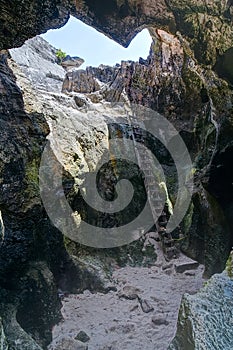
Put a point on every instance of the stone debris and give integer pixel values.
(146, 306)
(83, 337)
(117, 323)
(159, 321)
(69, 344)
(129, 292)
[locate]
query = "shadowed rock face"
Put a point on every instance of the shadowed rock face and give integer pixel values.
(208, 27)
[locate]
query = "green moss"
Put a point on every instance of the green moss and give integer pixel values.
(192, 80)
(229, 266)
(32, 177)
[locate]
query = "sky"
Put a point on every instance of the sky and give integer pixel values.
(78, 39)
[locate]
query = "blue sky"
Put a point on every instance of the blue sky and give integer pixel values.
(78, 39)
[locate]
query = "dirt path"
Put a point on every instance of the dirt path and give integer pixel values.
(114, 322)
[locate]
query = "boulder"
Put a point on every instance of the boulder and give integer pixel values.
(206, 318)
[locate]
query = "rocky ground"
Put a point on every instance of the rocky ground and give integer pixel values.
(139, 313)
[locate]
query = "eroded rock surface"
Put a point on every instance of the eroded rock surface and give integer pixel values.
(187, 78)
(205, 318)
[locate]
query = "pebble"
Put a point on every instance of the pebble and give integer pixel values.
(159, 321)
(146, 306)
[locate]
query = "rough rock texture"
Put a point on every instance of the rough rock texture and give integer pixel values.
(171, 82)
(205, 319)
(4, 345)
(80, 81)
(70, 63)
(38, 61)
(31, 311)
(187, 78)
(207, 26)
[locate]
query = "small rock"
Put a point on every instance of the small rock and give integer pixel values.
(82, 336)
(69, 344)
(145, 305)
(159, 321)
(129, 292)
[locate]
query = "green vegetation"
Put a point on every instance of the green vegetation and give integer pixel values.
(60, 55)
(229, 265)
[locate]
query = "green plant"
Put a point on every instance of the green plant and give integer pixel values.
(60, 55)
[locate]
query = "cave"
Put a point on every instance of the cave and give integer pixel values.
(155, 134)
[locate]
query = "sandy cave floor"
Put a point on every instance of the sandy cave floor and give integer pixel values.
(115, 323)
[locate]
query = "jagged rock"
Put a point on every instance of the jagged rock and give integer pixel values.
(120, 20)
(71, 62)
(205, 318)
(38, 61)
(80, 81)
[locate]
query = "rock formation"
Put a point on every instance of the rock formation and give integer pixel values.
(205, 319)
(187, 78)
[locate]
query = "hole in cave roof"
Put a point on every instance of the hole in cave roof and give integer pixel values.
(79, 39)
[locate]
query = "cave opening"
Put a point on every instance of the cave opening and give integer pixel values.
(79, 39)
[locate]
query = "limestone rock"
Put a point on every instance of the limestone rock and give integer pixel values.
(70, 63)
(80, 81)
(205, 318)
(38, 61)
